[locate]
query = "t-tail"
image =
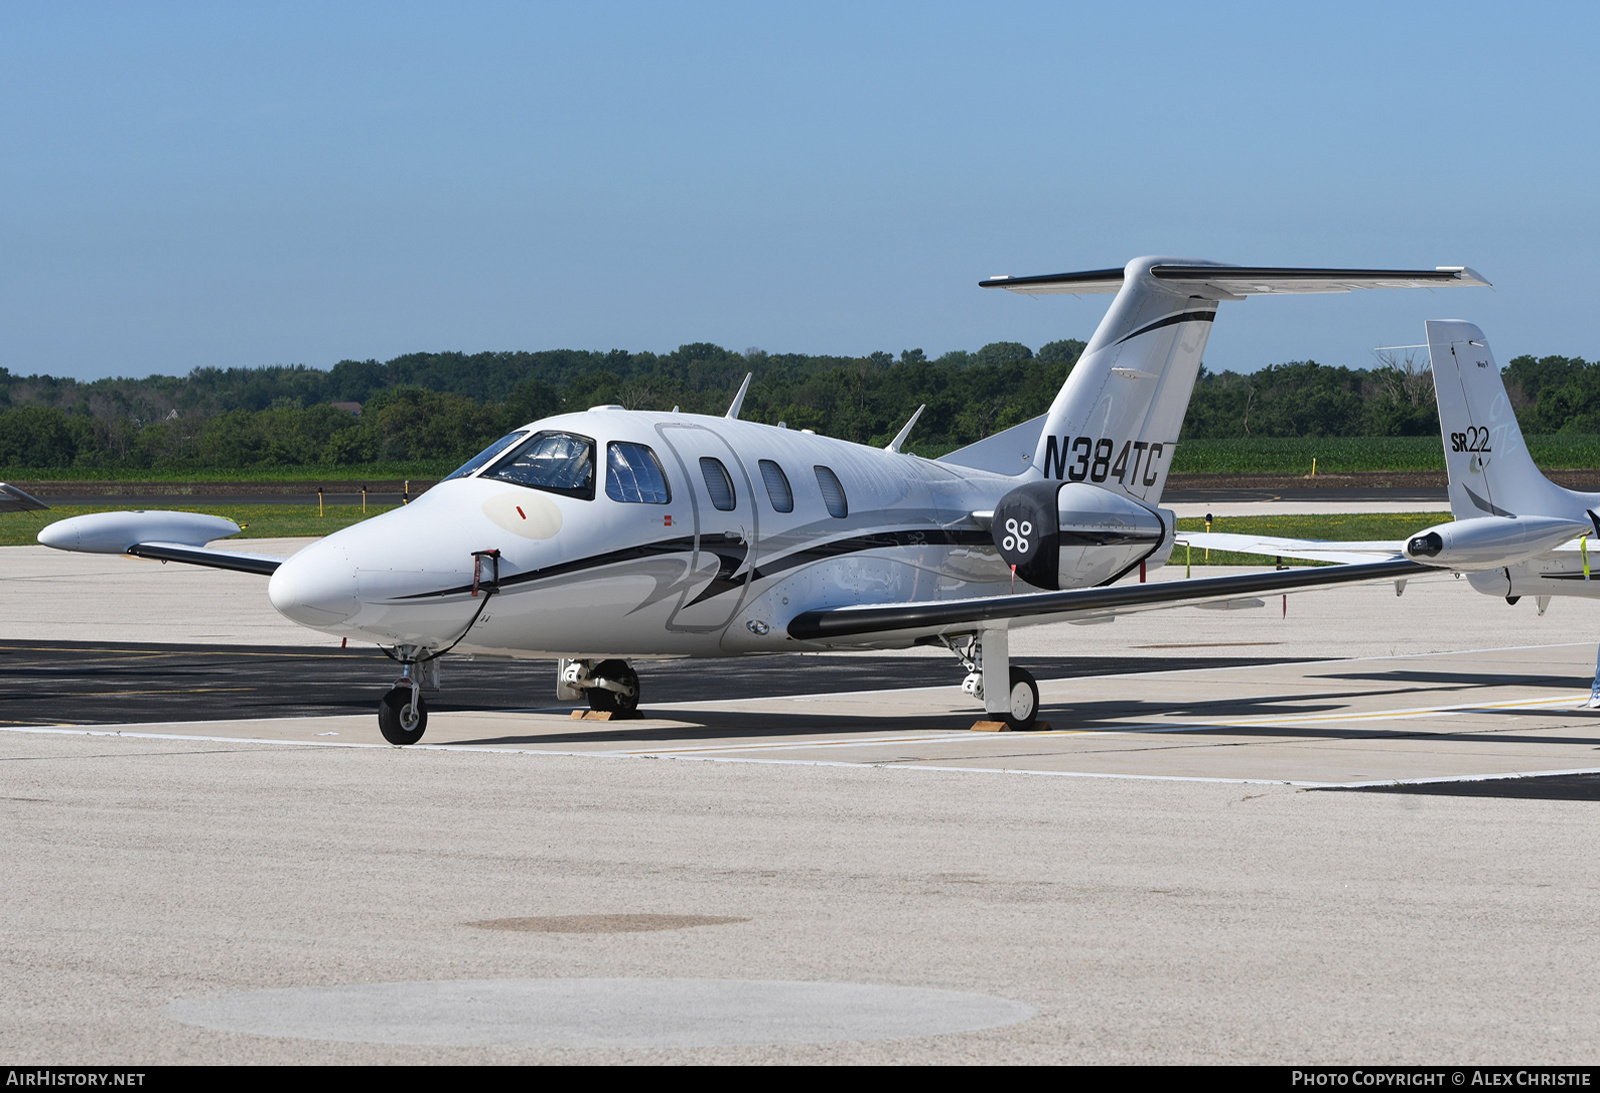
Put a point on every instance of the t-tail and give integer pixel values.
(1116, 420)
(1088, 513)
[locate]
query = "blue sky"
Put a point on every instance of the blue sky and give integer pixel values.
(246, 185)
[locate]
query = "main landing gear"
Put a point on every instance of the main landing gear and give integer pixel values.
(1008, 693)
(402, 714)
(609, 686)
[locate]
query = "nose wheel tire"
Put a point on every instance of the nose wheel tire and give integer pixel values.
(616, 671)
(1024, 707)
(398, 720)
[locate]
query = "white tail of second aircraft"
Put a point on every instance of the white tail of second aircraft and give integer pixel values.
(1491, 471)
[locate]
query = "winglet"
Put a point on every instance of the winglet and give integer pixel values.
(738, 400)
(900, 437)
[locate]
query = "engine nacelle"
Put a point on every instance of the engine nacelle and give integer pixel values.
(1074, 535)
(1488, 542)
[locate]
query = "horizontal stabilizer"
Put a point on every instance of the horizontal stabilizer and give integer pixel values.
(952, 616)
(1232, 282)
(1312, 550)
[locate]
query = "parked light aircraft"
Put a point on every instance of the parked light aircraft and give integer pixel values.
(593, 538)
(1515, 533)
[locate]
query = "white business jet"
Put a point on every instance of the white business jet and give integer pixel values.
(599, 537)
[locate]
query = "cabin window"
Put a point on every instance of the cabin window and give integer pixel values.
(485, 456)
(832, 493)
(718, 484)
(634, 474)
(777, 486)
(554, 462)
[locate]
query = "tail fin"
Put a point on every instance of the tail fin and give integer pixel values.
(1115, 422)
(1116, 419)
(1491, 472)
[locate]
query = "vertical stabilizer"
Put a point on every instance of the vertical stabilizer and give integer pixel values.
(1491, 471)
(1115, 422)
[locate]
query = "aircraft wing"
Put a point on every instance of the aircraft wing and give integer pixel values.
(14, 500)
(1239, 281)
(1313, 550)
(263, 564)
(955, 616)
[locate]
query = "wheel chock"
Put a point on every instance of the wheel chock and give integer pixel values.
(1001, 726)
(605, 715)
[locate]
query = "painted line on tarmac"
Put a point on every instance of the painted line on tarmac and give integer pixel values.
(479, 749)
(1563, 702)
(908, 765)
(1448, 778)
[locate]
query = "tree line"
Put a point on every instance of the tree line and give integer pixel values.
(445, 406)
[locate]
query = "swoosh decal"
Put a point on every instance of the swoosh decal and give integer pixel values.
(1172, 320)
(731, 556)
(1487, 506)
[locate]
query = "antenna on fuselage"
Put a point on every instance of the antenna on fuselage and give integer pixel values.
(738, 400)
(900, 437)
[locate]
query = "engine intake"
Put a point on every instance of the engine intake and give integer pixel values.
(1489, 542)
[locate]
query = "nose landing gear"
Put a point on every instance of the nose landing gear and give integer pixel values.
(402, 715)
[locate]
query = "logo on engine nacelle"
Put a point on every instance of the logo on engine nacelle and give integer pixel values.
(1017, 537)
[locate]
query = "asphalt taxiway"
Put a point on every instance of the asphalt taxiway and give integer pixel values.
(1348, 827)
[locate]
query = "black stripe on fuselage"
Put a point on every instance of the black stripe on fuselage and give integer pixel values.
(876, 541)
(1173, 320)
(685, 545)
(1105, 538)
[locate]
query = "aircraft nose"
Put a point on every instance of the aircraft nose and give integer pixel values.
(316, 587)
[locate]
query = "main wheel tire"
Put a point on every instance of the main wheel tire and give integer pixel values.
(398, 722)
(1024, 707)
(617, 671)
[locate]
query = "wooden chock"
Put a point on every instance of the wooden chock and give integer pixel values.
(1001, 726)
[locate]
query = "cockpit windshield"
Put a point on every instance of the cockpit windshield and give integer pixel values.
(484, 456)
(555, 462)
